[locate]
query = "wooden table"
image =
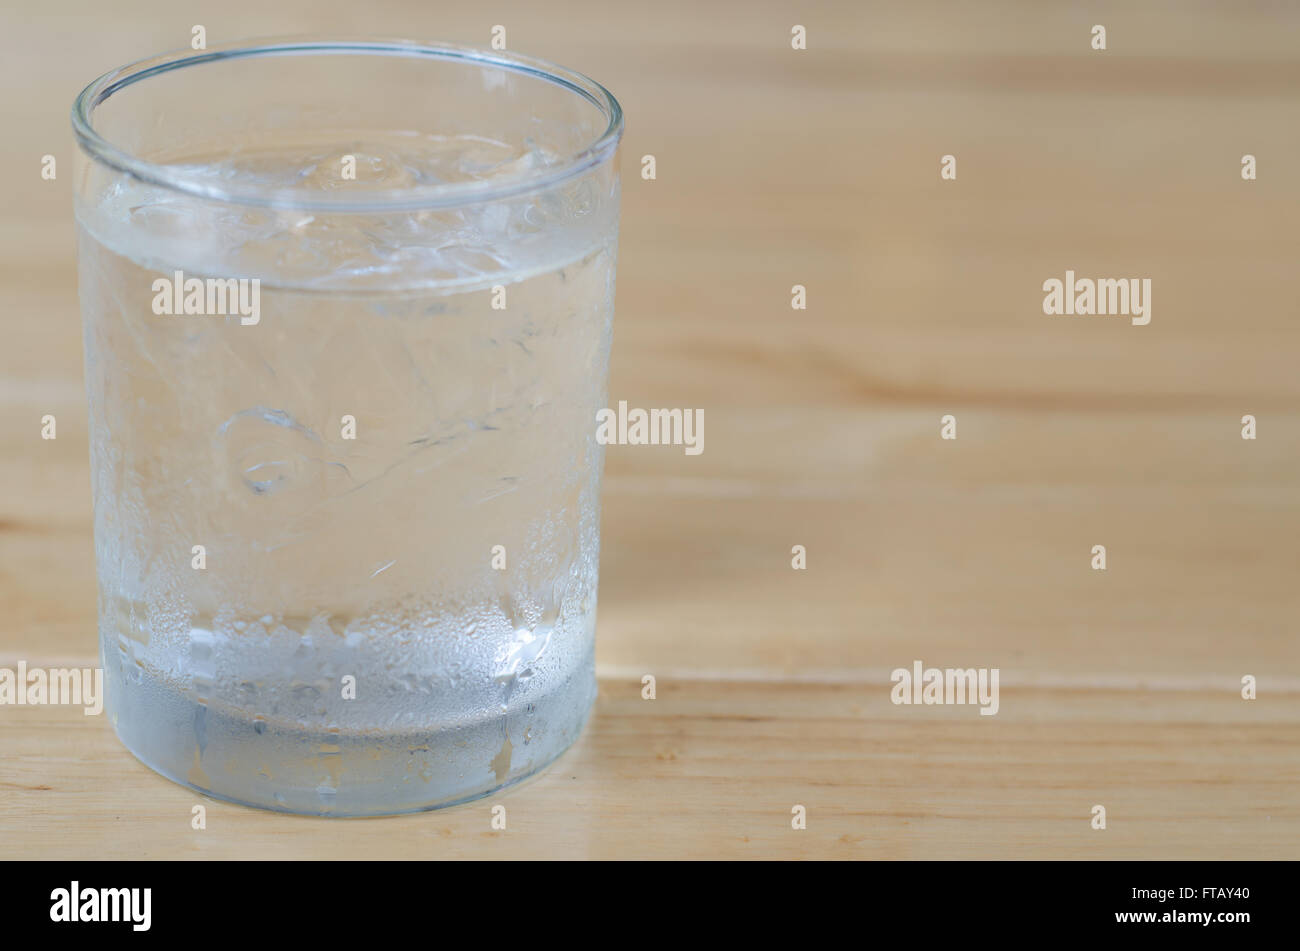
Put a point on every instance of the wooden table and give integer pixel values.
(821, 167)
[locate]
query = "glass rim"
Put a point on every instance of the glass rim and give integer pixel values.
(445, 195)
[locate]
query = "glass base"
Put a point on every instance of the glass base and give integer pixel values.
(229, 755)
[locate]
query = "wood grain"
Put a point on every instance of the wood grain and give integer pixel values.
(820, 168)
(712, 770)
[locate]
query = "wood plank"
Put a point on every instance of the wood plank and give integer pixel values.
(712, 770)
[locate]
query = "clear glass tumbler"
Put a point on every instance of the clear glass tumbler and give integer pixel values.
(347, 312)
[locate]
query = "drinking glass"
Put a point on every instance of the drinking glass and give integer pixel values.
(347, 311)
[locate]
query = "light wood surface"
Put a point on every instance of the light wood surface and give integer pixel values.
(820, 167)
(712, 770)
